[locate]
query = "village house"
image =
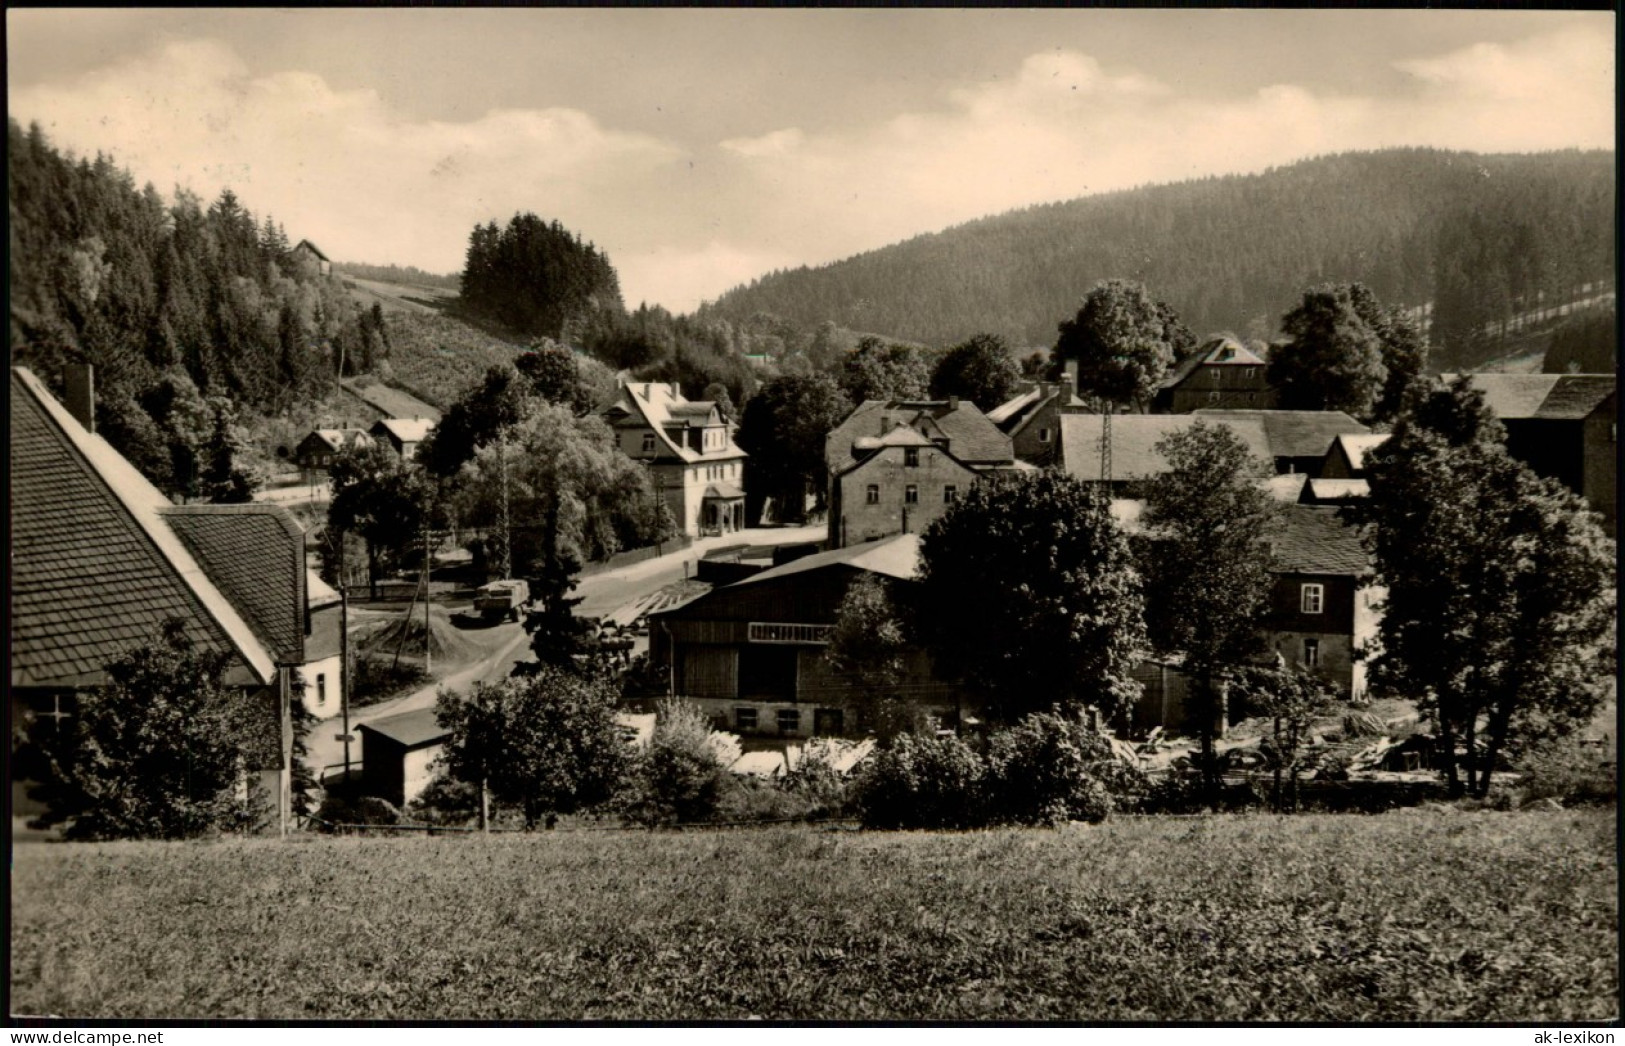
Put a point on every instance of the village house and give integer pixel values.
(1346, 458)
(316, 452)
(1299, 440)
(1134, 439)
(402, 435)
(101, 559)
(1563, 426)
(1322, 615)
(308, 252)
(1031, 418)
(896, 466)
(751, 654)
(688, 448)
(1323, 610)
(1221, 374)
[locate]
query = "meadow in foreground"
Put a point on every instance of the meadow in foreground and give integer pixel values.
(1421, 915)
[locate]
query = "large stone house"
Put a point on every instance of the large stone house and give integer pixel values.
(688, 448)
(895, 466)
(1032, 417)
(1222, 374)
(1563, 426)
(751, 654)
(101, 559)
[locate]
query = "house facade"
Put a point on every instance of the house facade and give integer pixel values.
(1221, 374)
(1564, 427)
(1322, 610)
(901, 483)
(688, 448)
(317, 451)
(751, 654)
(1032, 418)
(311, 254)
(101, 560)
(402, 435)
(892, 467)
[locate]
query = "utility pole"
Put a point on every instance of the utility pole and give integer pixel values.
(427, 632)
(344, 656)
(1106, 447)
(507, 531)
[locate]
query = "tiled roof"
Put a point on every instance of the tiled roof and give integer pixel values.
(972, 438)
(95, 568)
(415, 729)
(1295, 433)
(255, 554)
(654, 406)
(405, 430)
(1356, 447)
(1576, 396)
(393, 402)
(1511, 395)
(1134, 440)
(1014, 405)
(897, 556)
(1558, 397)
(1325, 490)
(1317, 540)
(339, 439)
(1213, 352)
(723, 492)
(1286, 487)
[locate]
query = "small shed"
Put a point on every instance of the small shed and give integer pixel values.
(397, 753)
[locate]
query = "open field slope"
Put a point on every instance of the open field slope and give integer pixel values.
(1422, 915)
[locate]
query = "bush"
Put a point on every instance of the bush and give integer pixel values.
(1049, 769)
(683, 773)
(445, 801)
(376, 680)
(1569, 772)
(922, 782)
(365, 810)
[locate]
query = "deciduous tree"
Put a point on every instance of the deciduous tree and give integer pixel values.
(980, 370)
(548, 743)
(783, 431)
(1333, 359)
(868, 649)
(1124, 341)
(1029, 592)
(876, 370)
(157, 752)
(1206, 553)
(1500, 586)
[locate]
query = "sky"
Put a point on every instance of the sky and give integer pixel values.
(701, 149)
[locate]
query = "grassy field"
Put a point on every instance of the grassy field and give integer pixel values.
(1423, 915)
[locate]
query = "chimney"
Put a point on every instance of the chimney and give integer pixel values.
(80, 380)
(1069, 382)
(953, 404)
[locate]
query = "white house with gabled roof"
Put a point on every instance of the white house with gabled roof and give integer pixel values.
(688, 448)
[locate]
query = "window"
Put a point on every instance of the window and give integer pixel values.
(828, 722)
(789, 720)
(1311, 653)
(1249, 373)
(1043, 435)
(911, 457)
(745, 718)
(321, 690)
(1312, 599)
(1213, 397)
(648, 443)
(911, 495)
(950, 494)
(871, 494)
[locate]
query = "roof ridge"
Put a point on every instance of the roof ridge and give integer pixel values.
(93, 454)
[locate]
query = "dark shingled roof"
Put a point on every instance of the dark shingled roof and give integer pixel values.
(255, 555)
(94, 569)
(416, 729)
(1318, 540)
(1295, 433)
(971, 437)
(1557, 397)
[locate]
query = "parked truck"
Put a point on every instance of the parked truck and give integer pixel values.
(502, 599)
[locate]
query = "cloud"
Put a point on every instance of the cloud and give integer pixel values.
(341, 167)
(684, 221)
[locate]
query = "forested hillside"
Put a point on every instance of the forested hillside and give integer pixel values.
(192, 314)
(1482, 237)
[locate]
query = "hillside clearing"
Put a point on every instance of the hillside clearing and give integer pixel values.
(1427, 915)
